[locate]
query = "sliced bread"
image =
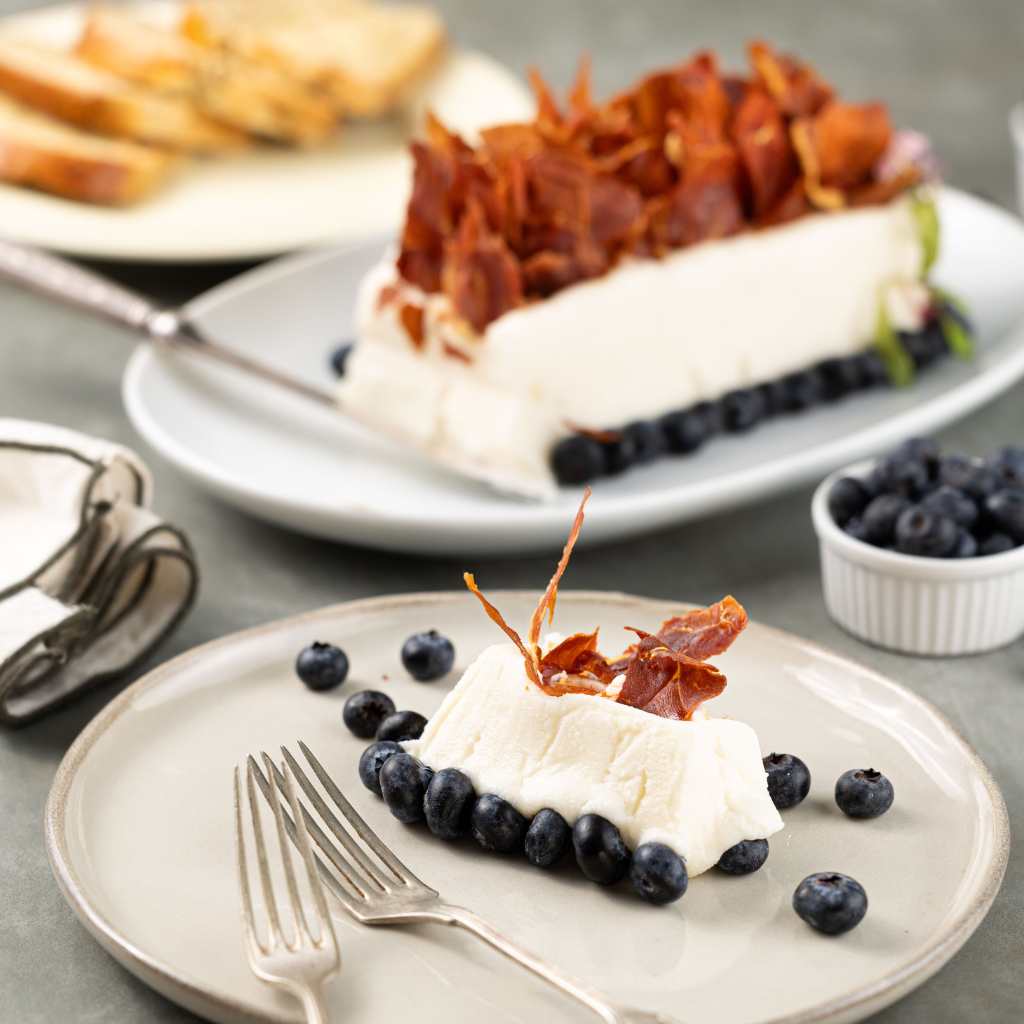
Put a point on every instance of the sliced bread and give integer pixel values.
(66, 87)
(44, 154)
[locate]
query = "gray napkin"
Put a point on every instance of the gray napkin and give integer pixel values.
(91, 580)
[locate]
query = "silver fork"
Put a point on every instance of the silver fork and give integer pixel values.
(376, 888)
(302, 965)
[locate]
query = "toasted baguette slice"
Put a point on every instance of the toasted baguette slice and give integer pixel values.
(367, 57)
(67, 88)
(45, 154)
(254, 98)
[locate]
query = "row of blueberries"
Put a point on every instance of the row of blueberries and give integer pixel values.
(919, 501)
(580, 458)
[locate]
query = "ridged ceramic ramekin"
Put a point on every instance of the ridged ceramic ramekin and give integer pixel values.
(926, 606)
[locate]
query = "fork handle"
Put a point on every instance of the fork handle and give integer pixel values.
(313, 1005)
(467, 920)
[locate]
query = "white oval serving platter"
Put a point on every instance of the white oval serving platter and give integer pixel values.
(306, 469)
(139, 831)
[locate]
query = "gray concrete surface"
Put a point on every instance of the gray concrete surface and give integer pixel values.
(951, 68)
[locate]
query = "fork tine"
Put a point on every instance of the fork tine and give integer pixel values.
(352, 816)
(352, 897)
(336, 827)
(276, 935)
(306, 851)
(248, 915)
(301, 927)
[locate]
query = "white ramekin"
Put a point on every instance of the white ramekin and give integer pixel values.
(926, 606)
(1017, 134)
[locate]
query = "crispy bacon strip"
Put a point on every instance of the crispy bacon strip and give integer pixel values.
(496, 617)
(705, 632)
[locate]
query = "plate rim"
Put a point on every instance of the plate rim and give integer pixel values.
(173, 984)
(400, 528)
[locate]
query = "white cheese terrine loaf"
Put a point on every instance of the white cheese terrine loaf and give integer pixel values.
(612, 264)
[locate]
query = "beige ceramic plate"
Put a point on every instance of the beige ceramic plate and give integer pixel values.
(139, 832)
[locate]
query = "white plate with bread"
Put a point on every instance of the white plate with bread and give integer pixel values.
(223, 130)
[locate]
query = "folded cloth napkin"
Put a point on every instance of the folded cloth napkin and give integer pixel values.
(91, 580)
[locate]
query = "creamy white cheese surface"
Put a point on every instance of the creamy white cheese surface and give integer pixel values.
(698, 786)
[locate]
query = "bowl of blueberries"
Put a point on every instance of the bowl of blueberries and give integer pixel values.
(922, 551)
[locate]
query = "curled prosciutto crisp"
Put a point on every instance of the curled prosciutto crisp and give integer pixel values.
(665, 673)
(686, 155)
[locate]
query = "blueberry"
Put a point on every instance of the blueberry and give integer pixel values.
(371, 762)
(952, 503)
(863, 793)
(856, 529)
(577, 460)
(830, 902)
(923, 533)
(968, 475)
(547, 839)
(600, 851)
(774, 395)
(428, 656)
(658, 874)
(1008, 464)
(647, 439)
(872, 368)
(619, 454)
(712, 413)
(996, 544)
(789, 779)
(402, 784)
(966, 546)
(926, 346)
(847, 498)
(497, 826)
(921, 449)
(321, 666)
(339, 357)
(745, 857)
(802, 389)
(448, 803)
(839, 378)
(364, 711)
(685, 431)
(897, 474)
(1006, 510)
(402, 725)
(742, 409)
(880, 518)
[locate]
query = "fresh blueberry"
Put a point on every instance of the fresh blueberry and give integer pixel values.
(402, 725)
(648, 440)
(658, 874)
(372, 760)
(339, 357)
(952, 503)
(996, 544)
(403, 783)
(577, 460)
(840, 377)
(712, 413)
(742, 409)
(966, 545)
(897, 474)
(428, 656)
(497, 826)
(685, 431)
(1005, 509)
(921, 449)
(863, 793)
(745, 857)
(968, 475)
(924, 347)
(830, 902)
(547, 839)
(880, 518)
(1008, 464)
(802, 389)
(321, 666)
(448, 803)
(856, 529)
(364, 711)
(923, 533)
(600, 851)
(619, 454)
(847, 498)
(789, 779)
(774, 395)
(873, 371)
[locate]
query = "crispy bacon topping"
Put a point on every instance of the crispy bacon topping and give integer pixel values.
(665, 673)
(688, 154)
